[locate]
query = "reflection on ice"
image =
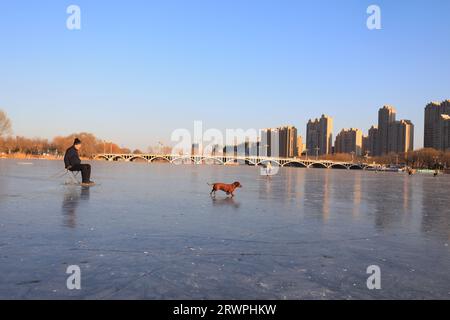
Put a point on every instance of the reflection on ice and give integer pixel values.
(228, 201)
(72, 197)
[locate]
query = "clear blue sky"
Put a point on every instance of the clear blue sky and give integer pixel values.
(139, 69)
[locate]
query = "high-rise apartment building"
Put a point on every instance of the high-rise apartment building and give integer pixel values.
(372, 141)
(365, 145)
(326, 135)
(319, 135)
(312, 136)
(433, 136)
(279, 142)
(386, 116)
(390, 136)
(349, 141)
(300, 146)
(401, 136)
(267, 137)
(288, 141)
(444, 131)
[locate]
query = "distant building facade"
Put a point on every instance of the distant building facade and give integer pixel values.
(434, 136)
(365, 145)
(312, 136)
(300, 146)
(445, 132)
(288, 141)
(195, 149)
(401, 137)
(215, 150)
(390, 136)
(279, 142)
(319, 135)
(349, 141)
(386, 116)
(270, 142)
(372, 141)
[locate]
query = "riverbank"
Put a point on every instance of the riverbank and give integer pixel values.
(23, 156)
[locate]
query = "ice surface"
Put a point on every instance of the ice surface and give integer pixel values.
(151, 231)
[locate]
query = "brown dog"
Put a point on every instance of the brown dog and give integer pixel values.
(227, 188)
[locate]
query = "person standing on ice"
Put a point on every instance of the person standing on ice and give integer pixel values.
(269, 168)
(73, 163)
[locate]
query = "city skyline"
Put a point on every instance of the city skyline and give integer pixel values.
(154, 67)
(320, 136)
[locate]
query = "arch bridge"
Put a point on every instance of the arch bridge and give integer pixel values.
(233, 160)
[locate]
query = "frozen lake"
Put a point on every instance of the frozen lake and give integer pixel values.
(153, 232)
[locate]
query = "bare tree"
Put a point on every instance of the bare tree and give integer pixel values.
(5, 124)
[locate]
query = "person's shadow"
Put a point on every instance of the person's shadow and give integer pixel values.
(230, 202)
(72, 198)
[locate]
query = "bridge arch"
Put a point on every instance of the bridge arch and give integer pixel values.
(250, 162)
(338, 166)
(356, 167)
(159, 158)
(117, 158)
(318, 165)
(215, 159)
(297, 164)
(101, 157)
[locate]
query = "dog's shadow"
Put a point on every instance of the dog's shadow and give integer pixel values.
(225, 202)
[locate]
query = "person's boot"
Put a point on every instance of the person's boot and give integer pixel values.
(88, 184)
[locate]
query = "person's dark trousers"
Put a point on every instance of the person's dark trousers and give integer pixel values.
(85, 171)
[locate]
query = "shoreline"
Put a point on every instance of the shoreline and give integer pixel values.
(29, 157)
(36, 157)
